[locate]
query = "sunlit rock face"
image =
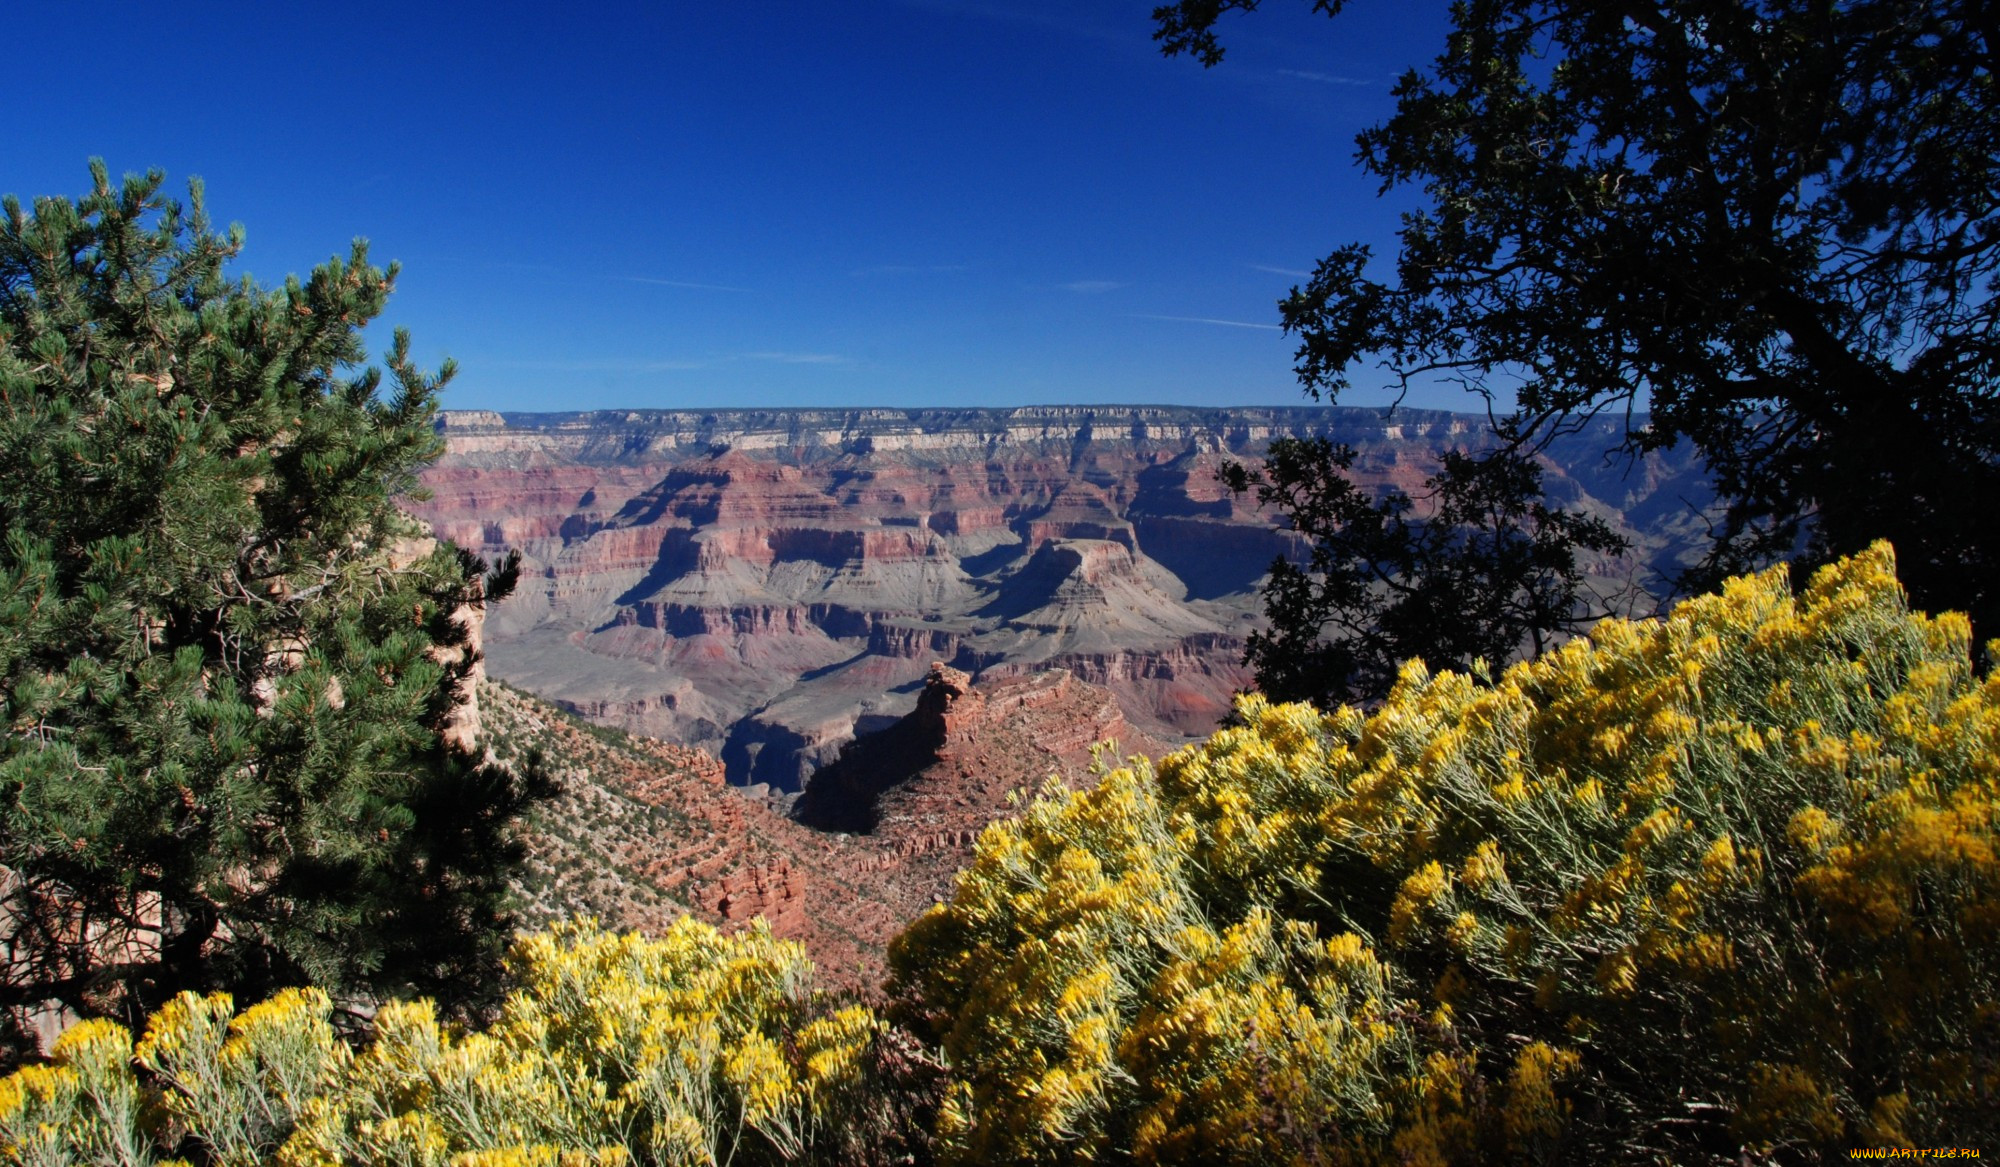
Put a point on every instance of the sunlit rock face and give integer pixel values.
(642, 832)
(768, 584)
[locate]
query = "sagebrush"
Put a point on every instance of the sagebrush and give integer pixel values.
(1686, 889)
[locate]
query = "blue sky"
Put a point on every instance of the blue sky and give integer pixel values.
(760, 203)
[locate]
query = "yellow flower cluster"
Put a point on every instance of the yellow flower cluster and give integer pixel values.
(695, 1048)
(1731, 875)
(1097, 1010)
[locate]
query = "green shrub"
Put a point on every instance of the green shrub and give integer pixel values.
(1686, 889)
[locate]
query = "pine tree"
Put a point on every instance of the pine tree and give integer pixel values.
(226, 658)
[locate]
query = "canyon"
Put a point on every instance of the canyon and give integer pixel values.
(641, 832)
(769, 585)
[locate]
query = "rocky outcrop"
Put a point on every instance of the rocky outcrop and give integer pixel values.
(645, 831)
(460, 729)
(769, 584)
(950, 765)
(920, 791)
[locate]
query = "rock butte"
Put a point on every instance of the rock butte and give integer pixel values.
(644, 831)
(768, 584)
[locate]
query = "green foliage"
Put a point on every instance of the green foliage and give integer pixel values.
(225, 656)
(1725, 883)
(1483, 571)
(695, 1048)
(1769, 227)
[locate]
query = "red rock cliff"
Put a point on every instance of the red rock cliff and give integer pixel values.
(768, 584)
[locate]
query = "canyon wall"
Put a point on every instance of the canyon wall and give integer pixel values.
(767, 584)
(643, 832)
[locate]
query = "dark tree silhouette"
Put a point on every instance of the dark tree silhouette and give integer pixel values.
(1482, 571)
(1770, 228)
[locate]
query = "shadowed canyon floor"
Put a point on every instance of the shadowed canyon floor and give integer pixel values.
(767, 585)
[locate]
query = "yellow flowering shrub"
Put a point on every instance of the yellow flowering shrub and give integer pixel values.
(83, 1107)
(1094, 1004)
(693, 1048)
(1720, 882)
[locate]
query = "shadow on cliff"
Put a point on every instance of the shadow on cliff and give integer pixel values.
(1035, 584)
(760, 752)
(678, 556)
(843, 795)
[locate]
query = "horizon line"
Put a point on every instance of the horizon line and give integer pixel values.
(909, 409)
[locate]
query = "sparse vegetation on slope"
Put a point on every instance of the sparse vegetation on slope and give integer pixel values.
(642, 832)
(589, 848)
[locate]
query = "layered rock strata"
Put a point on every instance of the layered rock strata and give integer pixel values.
(769, 584)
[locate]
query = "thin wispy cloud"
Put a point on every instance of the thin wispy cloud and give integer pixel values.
(1204, 320)
(1280, 271)
(800, 358)
(1093, 287)
(682, 284)
(1327, 78)
(905, 269)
